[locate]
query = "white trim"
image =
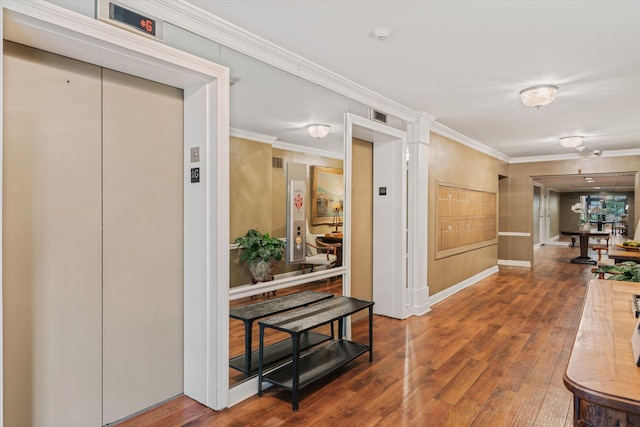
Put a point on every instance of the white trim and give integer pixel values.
(276, 143)
(206, 99)
(514, 263)
(513, 234)
(556, 243)
(418, 213)
(442, 295)
(574, 156)
(285, 280)
(442, 130)
(382, 134)
(252, 136)
(307, 150)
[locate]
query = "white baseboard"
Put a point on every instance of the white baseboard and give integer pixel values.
(442, 295)
(554, 243)
(514, 263)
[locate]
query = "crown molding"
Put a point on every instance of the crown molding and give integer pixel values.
(282, 145)
(549, 158)
(252, 136)
(575, 156)
(442, 130)
(307, 150)
(191, 18)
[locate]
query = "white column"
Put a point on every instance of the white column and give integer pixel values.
(418, 214)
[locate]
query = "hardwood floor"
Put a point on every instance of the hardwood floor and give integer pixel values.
(491, 355)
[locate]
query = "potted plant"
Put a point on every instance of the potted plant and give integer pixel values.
(583, 219)
(627, 271)
(262, 253)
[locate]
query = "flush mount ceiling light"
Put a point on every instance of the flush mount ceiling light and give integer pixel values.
(318, 130)
(381, 33)
(537, 96)
(571, 141)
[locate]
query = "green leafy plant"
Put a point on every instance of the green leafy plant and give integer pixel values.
(627, 271)
(254, 245)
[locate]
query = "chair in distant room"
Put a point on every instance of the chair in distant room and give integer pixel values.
(319, 253)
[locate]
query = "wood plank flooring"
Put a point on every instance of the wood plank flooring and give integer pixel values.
(491, 355)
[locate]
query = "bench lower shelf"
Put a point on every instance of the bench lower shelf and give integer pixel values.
(277, 352)
(317, 364)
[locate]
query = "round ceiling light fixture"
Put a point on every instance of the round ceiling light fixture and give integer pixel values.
(537, 96)
(318, 130)
(571, 141)
(381, 33)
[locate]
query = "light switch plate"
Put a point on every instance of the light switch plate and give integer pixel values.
(195, 154)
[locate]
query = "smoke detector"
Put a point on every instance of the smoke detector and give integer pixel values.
(381, 33)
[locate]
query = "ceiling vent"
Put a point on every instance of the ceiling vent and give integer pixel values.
(378, 116)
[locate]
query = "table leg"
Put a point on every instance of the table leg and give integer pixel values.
(296, 369)
(584, 251)
(370, 333)
(260, 360)
(248, 331)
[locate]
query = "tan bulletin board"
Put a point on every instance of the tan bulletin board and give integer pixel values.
(466, 219)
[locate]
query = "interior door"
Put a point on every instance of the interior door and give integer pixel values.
(536, 215)
(92, 242)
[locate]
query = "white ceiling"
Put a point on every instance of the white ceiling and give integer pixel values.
(465, 62)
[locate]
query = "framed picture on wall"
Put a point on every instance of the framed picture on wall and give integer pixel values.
(327, 195)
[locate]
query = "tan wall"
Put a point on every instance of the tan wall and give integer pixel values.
(362, 220)
(520, 190)
(257, 196)
(458, 164)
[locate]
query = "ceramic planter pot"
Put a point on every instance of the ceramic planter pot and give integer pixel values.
(261, 270)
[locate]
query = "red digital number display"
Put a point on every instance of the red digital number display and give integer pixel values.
(133, 19)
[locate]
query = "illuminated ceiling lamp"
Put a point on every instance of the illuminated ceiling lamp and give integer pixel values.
(537, 96)
(571, 141)
(318, 130)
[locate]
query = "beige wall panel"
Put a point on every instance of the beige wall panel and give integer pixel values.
(143, 243)
(478, 172)
(250, 187)
(51, 240)
(362, 220)
(455, 269)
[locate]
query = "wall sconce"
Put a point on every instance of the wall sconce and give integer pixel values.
(318, 130)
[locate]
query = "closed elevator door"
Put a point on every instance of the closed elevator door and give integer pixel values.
(92, 241)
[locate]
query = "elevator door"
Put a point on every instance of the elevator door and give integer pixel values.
(92, 241)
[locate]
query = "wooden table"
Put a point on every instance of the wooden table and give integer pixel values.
(602, 373)
(619, 255)
(584, 244)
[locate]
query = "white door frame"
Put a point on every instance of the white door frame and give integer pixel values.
(206, 210)
(389, 213)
